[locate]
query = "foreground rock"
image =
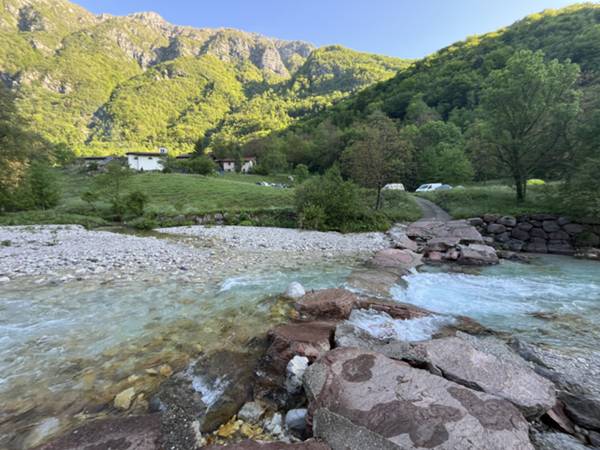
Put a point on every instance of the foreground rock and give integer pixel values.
(125, 433)
(203, 397)
(359, 399)
(459, 361)
(556, 441)
(577, 377)
(253, 445)
(308, 340)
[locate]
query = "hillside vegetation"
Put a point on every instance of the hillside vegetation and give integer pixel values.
(105, 84)
(521, 102)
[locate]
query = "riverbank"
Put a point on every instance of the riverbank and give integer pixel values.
(54, 253)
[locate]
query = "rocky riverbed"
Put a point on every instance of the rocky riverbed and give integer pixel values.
(308, 368)
(53, 253)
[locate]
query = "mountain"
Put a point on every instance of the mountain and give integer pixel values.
(449, 81)
(103, 83)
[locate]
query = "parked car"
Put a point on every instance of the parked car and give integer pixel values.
(429, 187)
(394, 187)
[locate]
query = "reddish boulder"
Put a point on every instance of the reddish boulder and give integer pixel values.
(396, 260)
(327, 304)
(309, 339)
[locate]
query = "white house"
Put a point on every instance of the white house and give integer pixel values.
(228, 164)
(146, 161)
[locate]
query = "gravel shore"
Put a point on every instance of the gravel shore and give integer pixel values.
(60, 253)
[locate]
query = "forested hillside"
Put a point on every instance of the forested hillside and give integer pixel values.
(540, 77)
(106, 84)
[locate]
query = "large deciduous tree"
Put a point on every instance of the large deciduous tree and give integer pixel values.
(526, 108)
(378, 156)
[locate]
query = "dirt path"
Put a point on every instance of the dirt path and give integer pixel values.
(431, 211)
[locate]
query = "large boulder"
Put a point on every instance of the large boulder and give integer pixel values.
(577, 377)
(327, 304)
(461, 229)
(123, 433)
(478, 255)
(360, 399)
(400, 239)
(306, 339)
(396, 261)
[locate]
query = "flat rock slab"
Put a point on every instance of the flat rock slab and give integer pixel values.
(327, 304)
(373, 282)
(395, 260)
(393, 405)
(458, 229)
(254, 445)
(127, 433)
(458, 360)
(576, 375)
(400, 239)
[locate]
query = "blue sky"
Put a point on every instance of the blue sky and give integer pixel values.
(404, 28)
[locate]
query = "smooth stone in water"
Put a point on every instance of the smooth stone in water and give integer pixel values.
(295, 290)
(42, 431)
(251, 412)
(124, 398)
(295, 420)
(295, 371)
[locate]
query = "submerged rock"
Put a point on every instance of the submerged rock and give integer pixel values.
(251, 412)
(360, 399)
(123, 433)
(42, 431)
(124, 398)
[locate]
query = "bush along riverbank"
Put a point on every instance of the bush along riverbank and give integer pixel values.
(352, 371)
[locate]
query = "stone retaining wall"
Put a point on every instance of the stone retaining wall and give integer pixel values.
(537, 233)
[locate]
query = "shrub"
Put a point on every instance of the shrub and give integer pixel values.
(143, 223)
(135, 202)
(201, 165)
(301, 173)
(330, 202)
(42, 186)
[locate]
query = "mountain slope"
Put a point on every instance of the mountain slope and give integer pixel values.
(105, 83)
(450, 79)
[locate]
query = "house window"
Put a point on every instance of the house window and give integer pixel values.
(149, 157)
(136, 158)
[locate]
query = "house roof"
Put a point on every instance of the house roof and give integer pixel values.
(95, 158)
(146, 154)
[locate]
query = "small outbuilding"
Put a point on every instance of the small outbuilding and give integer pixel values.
(147, 161)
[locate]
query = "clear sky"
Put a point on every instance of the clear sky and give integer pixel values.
(404, 28)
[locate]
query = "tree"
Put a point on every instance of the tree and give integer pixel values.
(301, 173)
(43, 185)
(112, 184)
(379, 156)
(526, 109)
